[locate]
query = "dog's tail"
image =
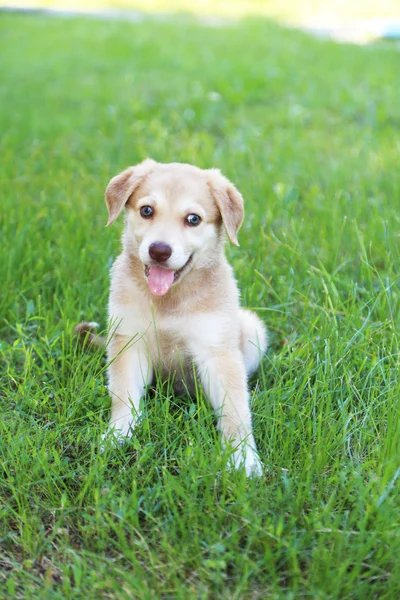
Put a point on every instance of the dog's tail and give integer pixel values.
(87, 332)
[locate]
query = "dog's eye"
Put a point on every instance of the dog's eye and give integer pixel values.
(146, 212)
(193, 220)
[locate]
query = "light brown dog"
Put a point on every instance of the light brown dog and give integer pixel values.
(174, 302)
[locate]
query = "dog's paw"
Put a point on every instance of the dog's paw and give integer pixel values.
(114, 437)
(246, 457)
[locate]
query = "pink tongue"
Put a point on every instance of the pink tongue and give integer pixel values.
(160, 280)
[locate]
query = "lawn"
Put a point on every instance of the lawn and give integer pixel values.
(309, 132)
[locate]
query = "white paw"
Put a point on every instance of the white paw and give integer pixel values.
(245, 456)
(115, 436)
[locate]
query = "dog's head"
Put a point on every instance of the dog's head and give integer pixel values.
(175, 217)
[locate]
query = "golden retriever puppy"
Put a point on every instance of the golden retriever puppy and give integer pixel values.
(174, 302)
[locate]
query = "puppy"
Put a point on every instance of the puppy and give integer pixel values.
(174, 302)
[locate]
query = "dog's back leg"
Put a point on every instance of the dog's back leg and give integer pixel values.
(253, 340)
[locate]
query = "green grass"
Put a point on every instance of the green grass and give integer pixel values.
(309, 131)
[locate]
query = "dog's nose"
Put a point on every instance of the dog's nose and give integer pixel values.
(159, 251)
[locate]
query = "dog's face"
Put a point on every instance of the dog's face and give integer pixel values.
(175, 215)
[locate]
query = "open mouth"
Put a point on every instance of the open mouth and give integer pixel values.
(161, 279)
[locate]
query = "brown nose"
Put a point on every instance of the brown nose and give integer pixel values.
(160, 251)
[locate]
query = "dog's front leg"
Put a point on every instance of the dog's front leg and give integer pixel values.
(129, 372)
(224, 379)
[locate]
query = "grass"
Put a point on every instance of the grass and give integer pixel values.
(309, 131)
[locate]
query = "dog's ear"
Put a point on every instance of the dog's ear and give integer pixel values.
(122, 186)
(229, 202)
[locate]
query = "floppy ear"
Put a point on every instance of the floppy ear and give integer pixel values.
(122, 186)
(229, 202)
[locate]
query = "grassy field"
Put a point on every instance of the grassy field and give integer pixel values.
(309, 132)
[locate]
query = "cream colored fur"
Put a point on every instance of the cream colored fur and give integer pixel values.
(198, 321)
